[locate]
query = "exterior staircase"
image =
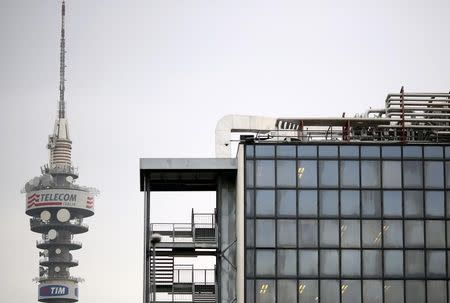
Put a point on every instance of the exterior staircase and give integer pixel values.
(204, 297)
(164, 267)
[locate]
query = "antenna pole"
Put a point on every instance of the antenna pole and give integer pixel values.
(62, 64)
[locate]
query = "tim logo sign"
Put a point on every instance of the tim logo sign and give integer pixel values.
(53, 290)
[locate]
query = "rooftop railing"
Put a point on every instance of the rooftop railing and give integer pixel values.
(406, 117)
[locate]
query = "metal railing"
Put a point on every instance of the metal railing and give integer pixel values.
(187, 274)
(36, 222)
(58, 260)
(63, 242)
(201, 229)
(173, 232)
(47, 277)
(419, 117)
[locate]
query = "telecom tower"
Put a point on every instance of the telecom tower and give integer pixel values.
(58, 206)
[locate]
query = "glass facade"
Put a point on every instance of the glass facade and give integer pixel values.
(347, 223)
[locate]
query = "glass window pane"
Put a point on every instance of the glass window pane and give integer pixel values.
(329, 263)
(350, 263)
(287, 262)
(350, 203)
(328, 151)
(435, 152)
(249, 173)
(265, 173)
(372, 262)
(286, 173)
(436, 292)
(265, 260)
(350, 233)
(351, 291)
(370, 151)
(265, 202)
(307, 173)
(349, 172)
(448, 235)
(308, 263)
(392, 174)
(371, 233)
(371, 203)
(329, 203)
(329, 291)
(412, 174)
(287, 233)
(414, 264)
(265, 291)
(250, 233)
(435, 234)
(448, 201)
(436, 264)
(370, 174)
(250, 203)
(264, 150)
(434, 174)
(414, 233)
(307, 291)
(413, 200)
(307, 234)
(265, 233)
(286, 151)
(328, 173)
(434, 204)
(372, 291)
(250, 262)
(250, 291)
(393, 233)
(307, 151)
(286, 202)
(447, 173)
(393, 263)
(393, 292)
(392, 203)
(412, 152)
(447, 151)
(415, 291)
(307, 203)
(249, 151)
(287, 291)
(329, 233)
(349, 151)
(391, 152)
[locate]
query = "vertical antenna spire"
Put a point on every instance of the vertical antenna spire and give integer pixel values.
(62, 64)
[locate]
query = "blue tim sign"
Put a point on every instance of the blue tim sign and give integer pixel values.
(53, 291)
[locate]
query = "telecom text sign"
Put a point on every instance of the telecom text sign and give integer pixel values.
(59, 198)
(53, 291)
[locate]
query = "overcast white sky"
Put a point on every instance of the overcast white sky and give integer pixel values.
(152, 78)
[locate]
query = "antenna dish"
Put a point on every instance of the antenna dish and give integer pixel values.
(35, 181)
(45, 215)
(52, 234)
(63, 215)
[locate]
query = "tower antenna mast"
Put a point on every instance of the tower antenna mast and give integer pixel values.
(62, 64)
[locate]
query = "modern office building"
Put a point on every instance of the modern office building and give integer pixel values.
(312, 210)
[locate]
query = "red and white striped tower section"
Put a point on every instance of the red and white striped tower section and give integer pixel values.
(58, 207)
